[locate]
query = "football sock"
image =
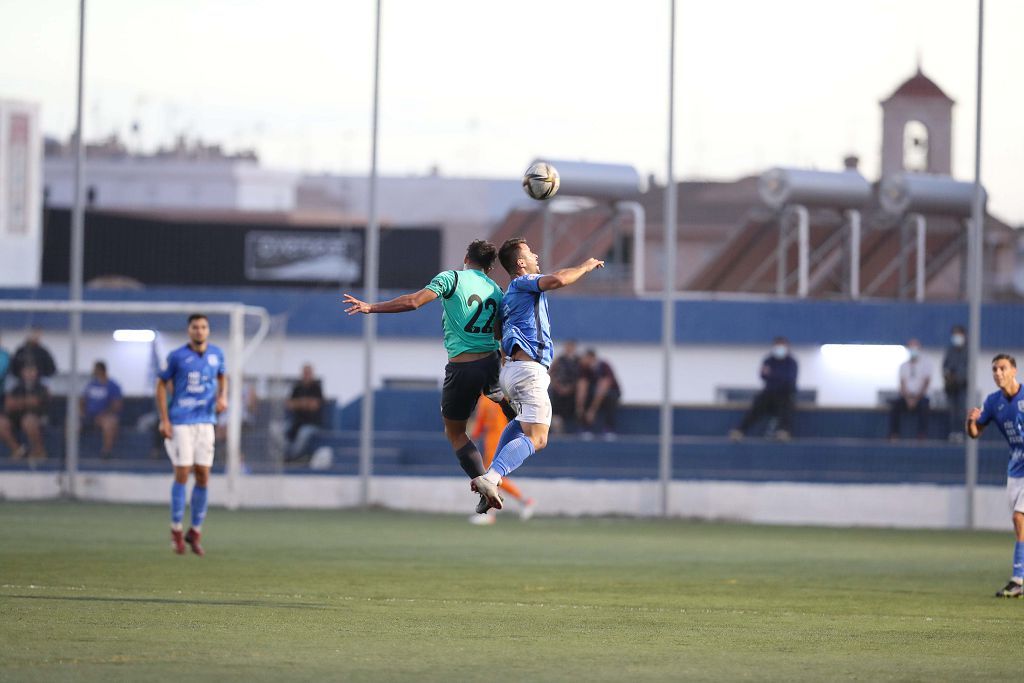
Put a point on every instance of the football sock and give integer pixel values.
(469, 460)
(1018, 561)
(511, 489)
(177, 504)
(198, 506)
(512, 455)
(511, 431)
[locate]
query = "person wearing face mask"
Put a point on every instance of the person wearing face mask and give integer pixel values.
(778, 372)
(915, 377)
(954, 375)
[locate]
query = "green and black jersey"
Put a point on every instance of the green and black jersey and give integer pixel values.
(471, 301)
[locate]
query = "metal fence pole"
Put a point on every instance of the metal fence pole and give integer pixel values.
(668, 324)
(853, 216)
(76, 274)
(974, 264)
(236, 345)
(370, 279)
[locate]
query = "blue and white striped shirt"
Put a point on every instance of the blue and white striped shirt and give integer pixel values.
(525, 322)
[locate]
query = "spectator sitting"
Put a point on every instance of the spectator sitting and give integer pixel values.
(33, 353)
(25, 411)
(5, 365)
(597, 395)
(306, 408)
(777, 399)
(915, 376)
(101, 405)
(954, 375)
(564, 374)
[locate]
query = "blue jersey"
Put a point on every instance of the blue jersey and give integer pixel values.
(194, 374)
(524, 319)
(1008, 414)
(99, 396)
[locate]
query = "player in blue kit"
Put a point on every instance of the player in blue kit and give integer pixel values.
(1006, 408)
(198, 392)
(527, 348)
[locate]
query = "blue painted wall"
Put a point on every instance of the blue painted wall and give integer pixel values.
(615, 320)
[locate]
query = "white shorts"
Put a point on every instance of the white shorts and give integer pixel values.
(191, 445)
(525, 383)
(1015, 493)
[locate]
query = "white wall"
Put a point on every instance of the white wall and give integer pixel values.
(900, 506)
(698, 371)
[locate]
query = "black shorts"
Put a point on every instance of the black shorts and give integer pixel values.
(16, 417)
(463, 384)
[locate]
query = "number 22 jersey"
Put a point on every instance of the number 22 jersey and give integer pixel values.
(470, 302)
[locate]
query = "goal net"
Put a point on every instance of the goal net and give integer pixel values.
(131, 340)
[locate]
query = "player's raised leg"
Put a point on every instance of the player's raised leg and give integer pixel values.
(526, 384)
(466, 451)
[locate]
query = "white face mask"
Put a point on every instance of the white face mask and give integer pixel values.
(780, 351)
(914, 352)
(957, 339)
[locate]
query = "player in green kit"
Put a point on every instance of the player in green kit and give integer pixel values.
(470, 302)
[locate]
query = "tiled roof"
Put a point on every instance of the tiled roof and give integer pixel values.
(919, 85)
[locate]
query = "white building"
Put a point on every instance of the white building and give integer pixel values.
(153, 182)
(467, 208)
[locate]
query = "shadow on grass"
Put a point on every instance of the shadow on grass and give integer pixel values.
(173, 601)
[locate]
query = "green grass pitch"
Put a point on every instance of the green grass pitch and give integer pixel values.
(93, 593)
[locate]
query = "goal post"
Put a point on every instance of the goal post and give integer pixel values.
(238, 352)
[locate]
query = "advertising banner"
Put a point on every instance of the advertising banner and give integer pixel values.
(304, 256)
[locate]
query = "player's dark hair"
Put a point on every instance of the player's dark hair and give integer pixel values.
(100, 365)
(482, 253)
(197, 316)
(959, 328)
(1005, 356)
(509, 253)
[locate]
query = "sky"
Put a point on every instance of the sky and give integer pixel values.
(482, 87)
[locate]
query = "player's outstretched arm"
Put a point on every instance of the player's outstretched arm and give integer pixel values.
(567, 276)
(400, 304)
(974, 429)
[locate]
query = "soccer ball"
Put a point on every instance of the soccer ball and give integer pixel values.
(541, 181)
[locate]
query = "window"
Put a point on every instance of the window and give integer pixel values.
(915, 146)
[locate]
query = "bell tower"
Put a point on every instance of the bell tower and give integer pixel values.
(917, 128)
